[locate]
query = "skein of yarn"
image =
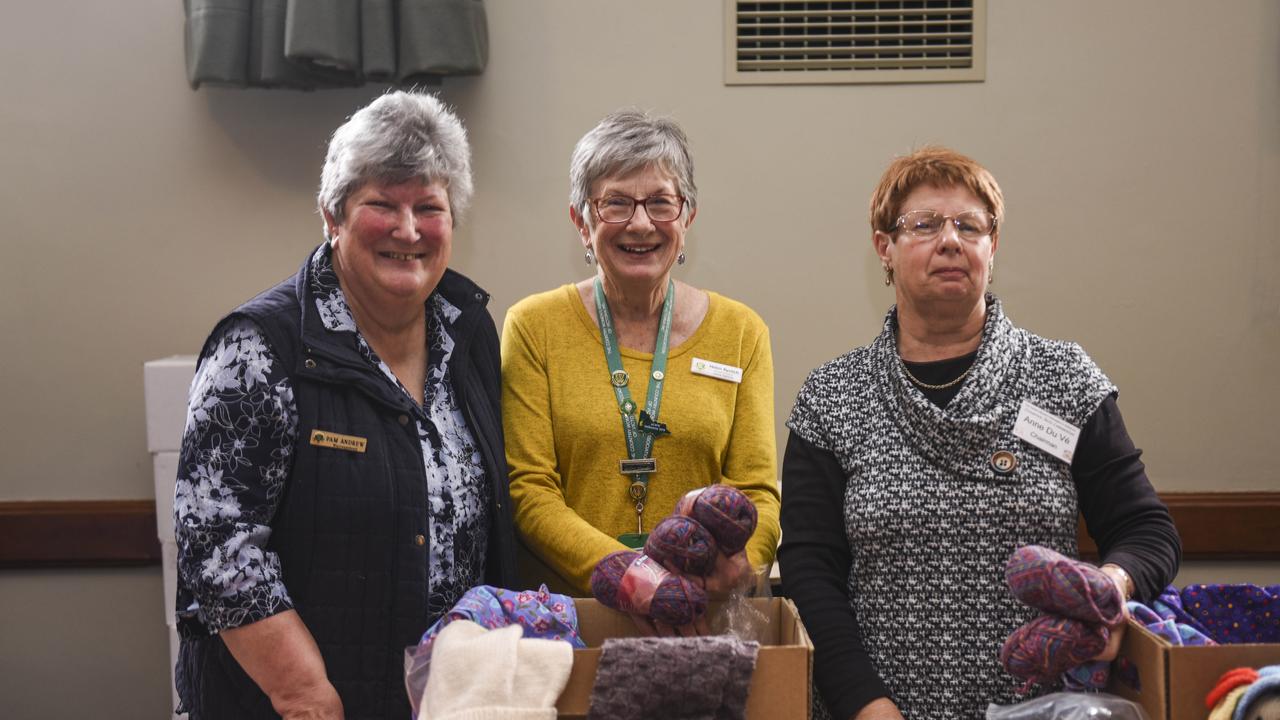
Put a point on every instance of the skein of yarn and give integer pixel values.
(1049, 645)
(682, 545)
(632, 582)
(724, 511)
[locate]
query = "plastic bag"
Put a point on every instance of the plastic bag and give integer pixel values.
(1069, 706)
(739, 615)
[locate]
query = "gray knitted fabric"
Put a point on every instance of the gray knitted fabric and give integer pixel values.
(929, 521)
(702, 678)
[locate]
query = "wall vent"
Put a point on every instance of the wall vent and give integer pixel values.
(857, 41)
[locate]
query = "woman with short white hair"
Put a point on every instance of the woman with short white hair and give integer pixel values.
(629, 388)
(342, 479)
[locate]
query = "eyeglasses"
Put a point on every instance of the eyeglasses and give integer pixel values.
(620, 208)
(972, 226)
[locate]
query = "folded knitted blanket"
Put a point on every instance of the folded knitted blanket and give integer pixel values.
(700, 678)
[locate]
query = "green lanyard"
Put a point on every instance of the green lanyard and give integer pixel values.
(639, 433)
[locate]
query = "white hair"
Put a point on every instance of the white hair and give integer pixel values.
(397, 137)
(626, 141)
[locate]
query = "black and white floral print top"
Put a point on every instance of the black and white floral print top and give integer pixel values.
(237, 451)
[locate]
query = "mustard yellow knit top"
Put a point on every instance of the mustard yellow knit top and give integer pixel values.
(564, 434)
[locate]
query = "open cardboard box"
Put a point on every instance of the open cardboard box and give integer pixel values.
(779, 687)
(1173, 681)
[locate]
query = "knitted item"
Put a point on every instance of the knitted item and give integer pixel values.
(1048, 646)
(723, 510)
(929, 522)
(634, 583)
(479, 674)
(1265, 691)
(682, 545)
(1230, 680)
(702, 678)
(1049, 581)
(1226, 707)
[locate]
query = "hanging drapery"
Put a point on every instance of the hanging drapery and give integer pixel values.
(310, 44)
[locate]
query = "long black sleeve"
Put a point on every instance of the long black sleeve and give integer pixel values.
(814, 560)
(1121, 510)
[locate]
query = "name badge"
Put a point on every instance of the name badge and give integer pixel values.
(338, 441)
(719, 371)
(1046, 431)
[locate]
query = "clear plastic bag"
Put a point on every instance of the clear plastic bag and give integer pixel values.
(1070, 706)
(739, 614)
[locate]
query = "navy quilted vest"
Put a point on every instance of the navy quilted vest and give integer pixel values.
(352, 528)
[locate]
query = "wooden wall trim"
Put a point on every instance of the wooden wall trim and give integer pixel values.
(1221, 526)
(78, 533)
(98, 533)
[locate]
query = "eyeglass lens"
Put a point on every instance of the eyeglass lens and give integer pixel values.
(971, 225)
(620, 208)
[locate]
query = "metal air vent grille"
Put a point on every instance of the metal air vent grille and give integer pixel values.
(856, 41)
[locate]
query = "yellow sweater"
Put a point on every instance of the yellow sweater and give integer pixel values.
(564, 435)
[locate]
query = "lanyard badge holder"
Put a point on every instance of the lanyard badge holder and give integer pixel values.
(638, 432)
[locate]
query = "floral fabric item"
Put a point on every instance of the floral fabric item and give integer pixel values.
(237, 452)
(540, 613)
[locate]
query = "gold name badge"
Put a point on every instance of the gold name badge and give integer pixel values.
(338, 441)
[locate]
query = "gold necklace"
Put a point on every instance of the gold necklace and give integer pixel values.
(926, 385)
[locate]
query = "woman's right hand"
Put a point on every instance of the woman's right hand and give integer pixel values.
(732, 572)
(878, 709)
(649, 627)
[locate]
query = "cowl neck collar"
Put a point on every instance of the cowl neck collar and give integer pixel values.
(961, 437)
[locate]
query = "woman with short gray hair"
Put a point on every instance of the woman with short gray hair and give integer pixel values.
(592, 465)
(342, 478)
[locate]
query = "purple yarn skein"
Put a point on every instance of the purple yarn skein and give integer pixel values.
(682, 545)
(676, 601)
(723, 510)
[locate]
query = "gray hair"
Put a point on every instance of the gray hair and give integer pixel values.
(626, 141)
(397, 137)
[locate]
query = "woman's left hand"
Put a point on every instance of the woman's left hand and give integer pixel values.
(1124, 585)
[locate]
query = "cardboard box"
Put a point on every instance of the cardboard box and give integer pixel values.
(779, 687)
(1173, 681)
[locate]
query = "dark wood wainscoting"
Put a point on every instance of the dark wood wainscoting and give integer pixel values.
(1221, 526)
(78, 533)
(98, 533)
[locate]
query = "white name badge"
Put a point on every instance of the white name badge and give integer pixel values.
(1046, 431)
(720, 371)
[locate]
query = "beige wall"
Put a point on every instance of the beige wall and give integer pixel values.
(1138, 145)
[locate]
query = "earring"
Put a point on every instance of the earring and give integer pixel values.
(991, 272)
(591, 259)
(888, 275)
(680, 259)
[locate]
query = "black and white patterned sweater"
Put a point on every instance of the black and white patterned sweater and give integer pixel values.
(929, 521)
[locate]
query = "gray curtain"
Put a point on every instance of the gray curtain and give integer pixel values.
(310, 44)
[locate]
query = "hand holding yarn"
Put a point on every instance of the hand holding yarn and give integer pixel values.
(698, 548)
(634, 583)
(1081, 604)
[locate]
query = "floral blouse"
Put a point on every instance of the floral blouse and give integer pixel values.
(237, 452)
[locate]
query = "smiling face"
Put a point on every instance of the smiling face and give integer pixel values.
(640, 252)
(946, 268)
(394, 243)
